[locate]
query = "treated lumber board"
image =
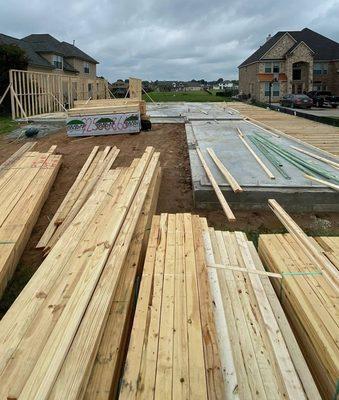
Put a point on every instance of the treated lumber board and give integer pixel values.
(71, 383)
(250, 380)
(297, 357)
(65, 203)
(225, 351)
(164, 369)
(197, 378)
(103, 382)
(180, 337)
(322, 181)
(142, 322)
(248, 271)
(302, 300)
(229, 178)
(327, 268)
(20, 220)
(214, 378)
(101, 167)
(53, 284)
(289, 377)
(227, 210)
(46, 371)
(256, 157)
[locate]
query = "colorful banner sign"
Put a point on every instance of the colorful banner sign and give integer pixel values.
(92, 125)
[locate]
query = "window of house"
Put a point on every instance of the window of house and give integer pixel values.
(86, 68)
(89, 87)
(325, 68)
(276, 89)
(267, 89)
(58, 62)
(268, 67)
(320, 69)
(276, 68)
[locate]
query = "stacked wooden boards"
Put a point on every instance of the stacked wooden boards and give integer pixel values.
(320, 135)
(50, 337)
(208, 324)
(310, 302)
(96, 165)
(25, 181)
(106, 103)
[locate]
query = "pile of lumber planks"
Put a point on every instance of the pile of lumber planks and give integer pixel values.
(309, 300)
(25, 181)
(96, 165)
(208, 324)
(112, 103)
(60, 339)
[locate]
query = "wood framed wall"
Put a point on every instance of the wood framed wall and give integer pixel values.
(37, 93)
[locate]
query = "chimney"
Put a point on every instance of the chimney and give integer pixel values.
(73, 42)
(268, 37)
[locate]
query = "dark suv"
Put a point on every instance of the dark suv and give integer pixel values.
(323, 98)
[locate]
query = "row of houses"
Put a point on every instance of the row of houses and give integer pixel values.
(291, 62)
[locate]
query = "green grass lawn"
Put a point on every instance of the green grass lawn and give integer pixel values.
(7, 124)
(198, 96)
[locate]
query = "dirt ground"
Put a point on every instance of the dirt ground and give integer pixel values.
(175, 192)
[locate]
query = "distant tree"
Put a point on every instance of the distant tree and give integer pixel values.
(11, 57)
(220, 80)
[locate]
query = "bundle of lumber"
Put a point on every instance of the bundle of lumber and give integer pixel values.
(208, 324)
(96, 165)
(25, 181)
(173, 351)
(310, 302)
(57, 336)
(111, 102)
(104, 109)
(259, 353)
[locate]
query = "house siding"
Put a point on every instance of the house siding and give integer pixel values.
(79, 66)
(248, 81)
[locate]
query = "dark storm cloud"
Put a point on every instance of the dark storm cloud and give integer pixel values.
(167, 39)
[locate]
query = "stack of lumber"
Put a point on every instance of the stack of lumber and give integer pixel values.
(319, 135)
(111, 102)
(173, 351)
(310, 302)
(105, 109)
(25, 181)
(208, 324)
(96, 165)
(57, 336)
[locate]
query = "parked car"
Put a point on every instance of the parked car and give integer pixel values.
(323, 98)
(296, 101)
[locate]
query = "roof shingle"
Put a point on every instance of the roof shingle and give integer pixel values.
(323, 47)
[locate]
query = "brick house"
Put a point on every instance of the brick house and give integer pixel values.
(299, 61)
(47, 54)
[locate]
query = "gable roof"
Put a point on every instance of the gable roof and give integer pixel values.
(33, 58)
(45, 43)
(323, 47)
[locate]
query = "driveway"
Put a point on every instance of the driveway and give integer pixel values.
(319, 112)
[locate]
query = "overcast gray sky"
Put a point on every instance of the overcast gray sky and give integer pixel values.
(167, 39)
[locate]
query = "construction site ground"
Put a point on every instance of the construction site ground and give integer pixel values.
(175, 192)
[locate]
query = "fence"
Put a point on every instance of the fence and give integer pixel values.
(34, 93)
